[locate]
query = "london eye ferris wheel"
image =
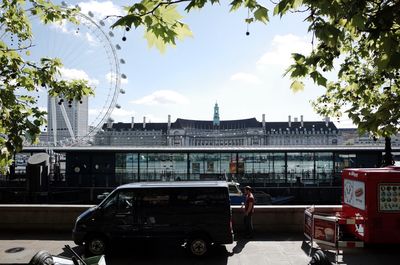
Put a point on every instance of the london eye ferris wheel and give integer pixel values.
(87, 52)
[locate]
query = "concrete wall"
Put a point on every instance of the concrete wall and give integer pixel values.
(62, 217)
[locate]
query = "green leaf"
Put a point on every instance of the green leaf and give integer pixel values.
(382, 61)
(299, 58)
(297, 86)
(282, 7)
(358, 21)
(154, 41)
(318, 78)
(128, 20)
(169, 14)
(395, 60)
(261, 14)
(297, 3)
(235, 4)
(183, 31)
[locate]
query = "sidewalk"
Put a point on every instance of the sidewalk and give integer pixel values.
(262, 250)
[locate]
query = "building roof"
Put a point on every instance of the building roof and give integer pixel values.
(120, 126)
(227, 124)
(175, 184)
(307, 125)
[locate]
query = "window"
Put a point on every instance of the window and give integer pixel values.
(201, 196)
(126, 202)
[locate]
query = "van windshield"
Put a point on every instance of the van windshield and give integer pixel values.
(110, 199)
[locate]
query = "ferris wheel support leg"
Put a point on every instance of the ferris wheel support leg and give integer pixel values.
(54, 119)
(67, 122)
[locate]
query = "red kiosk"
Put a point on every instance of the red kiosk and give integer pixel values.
(370, 211)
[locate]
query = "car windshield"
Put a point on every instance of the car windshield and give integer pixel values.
(233, 188)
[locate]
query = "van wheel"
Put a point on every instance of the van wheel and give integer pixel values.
(96, 245)
(198, 246)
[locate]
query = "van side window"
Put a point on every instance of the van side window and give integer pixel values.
(126, 201)
(201, 196)
(155, 199)
(155, 206)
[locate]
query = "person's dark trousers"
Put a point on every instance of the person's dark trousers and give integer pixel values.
(248, 225)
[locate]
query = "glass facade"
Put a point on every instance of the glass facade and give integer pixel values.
(126, 167)
(162, 166)
(260, 169)
(78, 176)
(253, 167)
(300, 168)
(324, 170)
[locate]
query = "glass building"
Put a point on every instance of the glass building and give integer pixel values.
(82, 173)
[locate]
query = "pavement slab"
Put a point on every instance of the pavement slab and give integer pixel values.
(266, 249)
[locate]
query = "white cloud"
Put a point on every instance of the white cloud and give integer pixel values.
(162, 97)
(282, 47)
(70, 74)
(71, 29)
(246, 78)
(150, 118)
(91, 40)
(101, 9)
(41, 108)
(122, 115)
(110, 75)
(62, 26)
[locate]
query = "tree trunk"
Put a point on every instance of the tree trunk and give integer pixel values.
(388, 158)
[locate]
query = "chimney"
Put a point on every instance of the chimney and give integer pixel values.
(169, 122)
(327, 120)
(144, 122)
(290, 121)
(301, 120)
(109, 123)
(296, 119)
(263, 121)
(132, 122)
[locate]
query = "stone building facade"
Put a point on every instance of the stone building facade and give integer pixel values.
(216, 132)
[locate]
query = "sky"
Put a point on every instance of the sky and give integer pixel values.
(219, 64)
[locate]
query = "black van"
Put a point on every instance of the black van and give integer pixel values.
(197, 213)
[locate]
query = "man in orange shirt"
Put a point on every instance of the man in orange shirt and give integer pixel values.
(248, 211)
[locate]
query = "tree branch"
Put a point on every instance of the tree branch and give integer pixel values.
(17, 49)
(166, 3)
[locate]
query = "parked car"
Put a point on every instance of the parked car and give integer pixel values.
(262, 198)
(195, 213)
(235, 194)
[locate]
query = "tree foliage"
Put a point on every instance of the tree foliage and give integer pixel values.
(359, 40)
(20, 117)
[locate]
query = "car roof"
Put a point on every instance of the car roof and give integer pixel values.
(175, 184)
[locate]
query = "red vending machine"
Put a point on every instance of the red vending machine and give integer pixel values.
(372, 197)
